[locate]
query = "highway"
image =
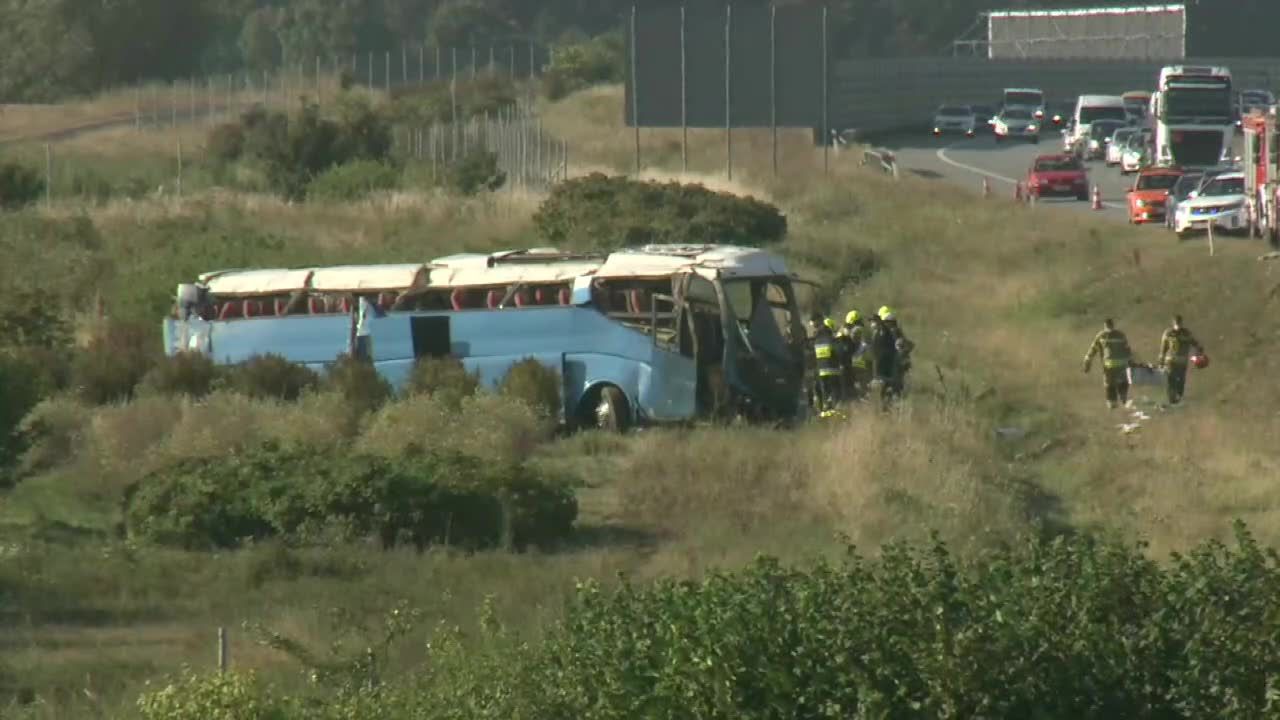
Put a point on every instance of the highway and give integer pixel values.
(968, 161)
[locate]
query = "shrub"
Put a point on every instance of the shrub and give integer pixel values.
(28, 319)
(580, 65)
(24, 381)
(486, 94)
(359, 383)
(19, 186)
(445, 379)
(186, 373)
(113, 362)
(271, 376)
(226, 142)
(476, 172)
(316, 493)
(604, 212)
(51, 434)
(535, 384)
(353, 181)
(229, 696)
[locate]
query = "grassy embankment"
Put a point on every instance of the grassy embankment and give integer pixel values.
(1001, 300)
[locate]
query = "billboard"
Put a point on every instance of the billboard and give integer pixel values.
(1148, 32)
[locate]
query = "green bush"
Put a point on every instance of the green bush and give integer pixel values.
(353, 181)
(226, 142)
(26, 377)
(359, 383)
(444, 378)
(113, 362)
(602, 212)
(271, 376)
(476, 172)
(186, 373)
(535, 384)
(581, 65)
(314, 494)
(19, 186)
(230, 696)
(433, 103)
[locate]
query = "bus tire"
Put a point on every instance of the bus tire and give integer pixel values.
(608, 410)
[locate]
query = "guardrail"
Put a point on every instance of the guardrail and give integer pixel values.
(885, 157)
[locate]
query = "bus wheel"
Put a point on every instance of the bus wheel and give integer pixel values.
(609, 411)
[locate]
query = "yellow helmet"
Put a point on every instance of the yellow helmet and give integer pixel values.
(852, 317)
(829, 323)
(886, 313)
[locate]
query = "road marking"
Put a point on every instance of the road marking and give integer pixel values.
(942, 156)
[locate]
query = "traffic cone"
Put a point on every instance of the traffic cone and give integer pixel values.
(1097, 198)
(1017, 191)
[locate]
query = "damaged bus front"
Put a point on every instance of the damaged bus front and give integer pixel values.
(651, 335)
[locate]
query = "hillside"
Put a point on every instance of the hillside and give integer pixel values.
(1001, 301)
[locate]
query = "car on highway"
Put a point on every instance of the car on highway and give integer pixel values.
(1016, 123)
(984, 117)
(1251, 100)
(954, 119)
(1221, 201)
(1185, 185)
(1149, 194)
(1089, 109)
(1117, 145)
(1094, 146)
(1136, 152)
(1062, 175)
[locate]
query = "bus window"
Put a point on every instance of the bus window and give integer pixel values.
(758, 323)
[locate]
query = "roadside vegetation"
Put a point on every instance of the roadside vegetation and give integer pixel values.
(150, 501)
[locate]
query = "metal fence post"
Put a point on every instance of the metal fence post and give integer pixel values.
(473, 60)
(422, 64)
(635, 84)
(826, 131)
(386, 81)
(48, 174)
(370, 71)
(222, 650)
(728, 90)
(684, 93)
(773, 83)
(179, 167)
(404, 64)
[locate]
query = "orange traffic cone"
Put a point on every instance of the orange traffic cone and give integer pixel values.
(1097, 198)
(986, 188)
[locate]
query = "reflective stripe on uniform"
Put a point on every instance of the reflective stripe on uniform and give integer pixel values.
(1114, 364)
(822, 351)
(827, 372)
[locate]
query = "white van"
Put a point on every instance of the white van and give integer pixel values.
(1095, 107)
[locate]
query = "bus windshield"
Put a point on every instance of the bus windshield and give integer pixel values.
(763, 309)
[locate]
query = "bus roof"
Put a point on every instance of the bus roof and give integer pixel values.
(532, 266)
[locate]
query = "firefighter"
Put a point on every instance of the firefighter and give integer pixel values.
(1113, 346)
(857, 355)
(884, 357)
(1175, 351)
(827, 354)
(902, 347)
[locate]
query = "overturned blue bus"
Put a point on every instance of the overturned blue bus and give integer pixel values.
(651, 335)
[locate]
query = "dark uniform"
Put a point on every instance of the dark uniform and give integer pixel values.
(884, 357)
(1175, 353)
(1113, 346)
(903, 348)
(857, 358)
(827, 354)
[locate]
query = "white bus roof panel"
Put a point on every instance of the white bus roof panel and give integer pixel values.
(368, 278)
(229, 283)
(658, 260)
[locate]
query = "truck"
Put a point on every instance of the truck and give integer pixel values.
(1261, 164)
(1192, 110)
(659, 334)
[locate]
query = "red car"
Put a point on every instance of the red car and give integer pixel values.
(1062, 175)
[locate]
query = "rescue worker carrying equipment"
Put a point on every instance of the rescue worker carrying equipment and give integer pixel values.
(1113, 346)
(827, 354)
(856, 355)
(1175, 353)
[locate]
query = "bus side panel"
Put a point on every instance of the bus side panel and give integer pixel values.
(319, 339)
(668, 386)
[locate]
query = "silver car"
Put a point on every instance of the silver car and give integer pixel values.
(954, 119)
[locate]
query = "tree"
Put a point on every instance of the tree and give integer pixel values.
(259, 41)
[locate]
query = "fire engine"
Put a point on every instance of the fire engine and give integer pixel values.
(1261, 164)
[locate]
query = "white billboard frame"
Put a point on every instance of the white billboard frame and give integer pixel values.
(994, 16)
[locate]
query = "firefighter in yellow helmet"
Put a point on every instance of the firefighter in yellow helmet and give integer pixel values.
(1176, 345)
(1117, 357)
(854, 339)
(902, 347)
(827, 354)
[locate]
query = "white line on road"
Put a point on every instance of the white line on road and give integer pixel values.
(942, 156)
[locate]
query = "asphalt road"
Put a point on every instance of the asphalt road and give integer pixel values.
(968, 161)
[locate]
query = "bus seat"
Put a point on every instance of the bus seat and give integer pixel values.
(251, 308)
(282, 307)
(493, 298)
(230, 309)
(634, 298)
(540, 296)
(522, 298)
(458, 298)
(316, 305)
(564, 296)
(344, 305)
